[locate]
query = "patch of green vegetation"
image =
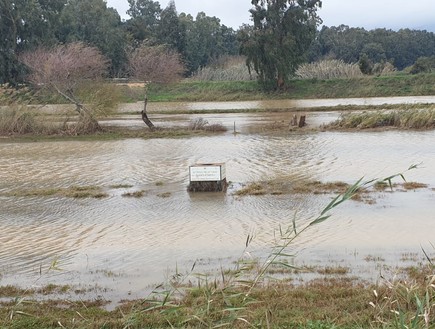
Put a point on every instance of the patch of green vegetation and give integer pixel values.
(383, 86)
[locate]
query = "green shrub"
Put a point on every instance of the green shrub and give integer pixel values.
(423, 65)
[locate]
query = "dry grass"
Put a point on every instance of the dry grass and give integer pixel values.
(230, 68)
(329, 69)
(283, 186)
(401, 119)
(200, 124)
(277, 187)
(21, 120)
(383, 186)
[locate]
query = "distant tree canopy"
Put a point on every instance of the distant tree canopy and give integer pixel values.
(92, 22)
(24, 24)
(275, 44)
(199, 41)
(401, 48)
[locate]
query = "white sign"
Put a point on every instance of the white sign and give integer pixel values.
(207, 172)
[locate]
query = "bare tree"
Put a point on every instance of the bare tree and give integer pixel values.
(64, 69)
(154, 64)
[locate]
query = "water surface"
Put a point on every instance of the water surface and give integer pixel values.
(126, 245)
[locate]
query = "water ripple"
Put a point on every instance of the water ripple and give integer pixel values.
(169, 226)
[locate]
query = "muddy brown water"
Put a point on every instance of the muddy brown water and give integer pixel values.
(123, 246)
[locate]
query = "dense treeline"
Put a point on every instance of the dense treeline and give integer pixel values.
(26, 25)
(401, 48)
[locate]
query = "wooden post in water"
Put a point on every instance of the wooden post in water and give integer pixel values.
(301, 121)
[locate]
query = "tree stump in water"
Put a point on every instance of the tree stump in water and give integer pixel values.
(298, 123)
(301, 121)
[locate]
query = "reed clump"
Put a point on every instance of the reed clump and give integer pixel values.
(229, 68)
(17, 121)
(329, 69)
(401, 119)
(406, 303)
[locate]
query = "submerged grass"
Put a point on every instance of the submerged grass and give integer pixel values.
(283, 186)
(135, 194)
(76, 192)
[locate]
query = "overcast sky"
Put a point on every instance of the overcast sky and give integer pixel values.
(370, 14)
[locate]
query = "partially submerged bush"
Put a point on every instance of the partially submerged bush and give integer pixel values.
(202, 124)
(329, 69)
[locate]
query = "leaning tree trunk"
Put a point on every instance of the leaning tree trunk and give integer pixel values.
(81, 109)
(145, 116)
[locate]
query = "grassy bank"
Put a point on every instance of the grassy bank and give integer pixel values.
(190, 90)
(386, 86)
(335, 301)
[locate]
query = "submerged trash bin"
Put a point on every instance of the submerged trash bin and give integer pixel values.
(207, 177)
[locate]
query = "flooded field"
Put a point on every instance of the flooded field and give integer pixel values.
(122, 246)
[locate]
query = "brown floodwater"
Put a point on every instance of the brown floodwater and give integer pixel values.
(123, 246)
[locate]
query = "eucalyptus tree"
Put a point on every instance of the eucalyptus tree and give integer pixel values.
(144, 21)
(170, 30)
(278, 41)
(206, 40)
(341, 42)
